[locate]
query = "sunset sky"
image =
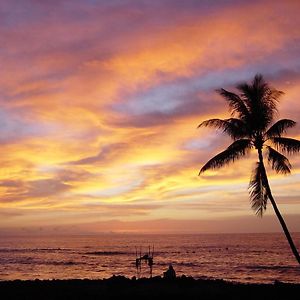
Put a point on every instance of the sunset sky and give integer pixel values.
(100, 102)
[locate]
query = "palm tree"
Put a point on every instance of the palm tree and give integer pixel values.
(252, 126)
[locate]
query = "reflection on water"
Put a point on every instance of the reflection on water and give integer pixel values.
(237, 257)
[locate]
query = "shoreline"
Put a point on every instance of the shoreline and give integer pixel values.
(118, 287)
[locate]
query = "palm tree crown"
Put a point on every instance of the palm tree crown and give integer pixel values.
(252, 126)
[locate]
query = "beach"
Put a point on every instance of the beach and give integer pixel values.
(119, 287)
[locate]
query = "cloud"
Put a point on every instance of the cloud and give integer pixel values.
(26, 190)
(100, 102)
(107, 152)
(10, 213)
(10, 183)
(69, 175)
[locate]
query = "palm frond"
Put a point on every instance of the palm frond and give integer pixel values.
(236, 104)
(235, 128)
(258, 191)
(280, 127)
(278, 161)
(235, 151)
(287, 145)
(271, 97)
(260, 92)
(261, 101)
(252, 93)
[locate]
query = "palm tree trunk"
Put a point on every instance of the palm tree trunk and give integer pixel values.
(277, 212)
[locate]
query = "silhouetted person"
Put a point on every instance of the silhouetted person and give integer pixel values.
(170, 273)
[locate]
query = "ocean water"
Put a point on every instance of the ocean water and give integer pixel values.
(260, 258)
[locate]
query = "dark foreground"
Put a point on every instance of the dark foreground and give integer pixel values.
(156, 288)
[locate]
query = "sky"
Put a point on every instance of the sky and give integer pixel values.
(100, 103)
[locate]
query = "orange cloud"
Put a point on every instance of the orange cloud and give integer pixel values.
(101, 113)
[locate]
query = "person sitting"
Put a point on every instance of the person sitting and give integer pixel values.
(170, 273)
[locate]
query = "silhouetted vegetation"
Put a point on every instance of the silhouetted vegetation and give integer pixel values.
(252, 126)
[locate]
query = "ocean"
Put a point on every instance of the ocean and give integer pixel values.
(253, 258)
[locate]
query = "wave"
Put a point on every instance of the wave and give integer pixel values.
(185, 264)
(129, 253)
(279, 268)
(109, 253)
(29, 261)
(104, 253)
(23, 250)
(61, 263)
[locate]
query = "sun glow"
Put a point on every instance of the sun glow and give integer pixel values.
(99, 115)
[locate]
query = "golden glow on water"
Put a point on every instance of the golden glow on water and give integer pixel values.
(260, 258)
